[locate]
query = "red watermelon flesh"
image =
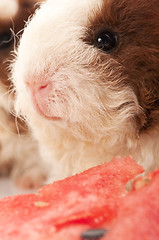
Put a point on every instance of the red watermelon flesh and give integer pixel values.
(138, 215)
(62, 210)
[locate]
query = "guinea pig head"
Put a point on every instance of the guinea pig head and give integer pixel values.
(91, 66)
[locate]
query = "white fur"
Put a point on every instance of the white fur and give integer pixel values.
(91, 131)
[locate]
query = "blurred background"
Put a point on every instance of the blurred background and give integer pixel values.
(8, 188)
(13, 17)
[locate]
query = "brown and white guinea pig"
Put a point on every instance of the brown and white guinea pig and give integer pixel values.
(86, 77)
(18, 152)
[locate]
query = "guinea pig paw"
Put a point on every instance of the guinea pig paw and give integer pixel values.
(29, 177)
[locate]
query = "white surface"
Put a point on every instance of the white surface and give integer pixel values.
(7, 188)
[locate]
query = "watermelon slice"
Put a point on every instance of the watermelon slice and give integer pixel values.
(138, 215)
(65, 209)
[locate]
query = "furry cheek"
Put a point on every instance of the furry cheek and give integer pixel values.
(76, 87)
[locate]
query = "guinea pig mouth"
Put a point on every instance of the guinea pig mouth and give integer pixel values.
(43, 109)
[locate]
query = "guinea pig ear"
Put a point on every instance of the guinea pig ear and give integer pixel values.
(8, 9)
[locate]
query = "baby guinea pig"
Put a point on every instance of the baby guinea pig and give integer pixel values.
(19, 155)
(86, 77)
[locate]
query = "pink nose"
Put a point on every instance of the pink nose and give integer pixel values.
(39, 89)
(43, 98)
(40, 92)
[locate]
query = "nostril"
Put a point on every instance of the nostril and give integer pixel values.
(39, 87)
(43, 87)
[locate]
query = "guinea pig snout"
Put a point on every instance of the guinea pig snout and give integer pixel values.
(39, 89)
(40, 92)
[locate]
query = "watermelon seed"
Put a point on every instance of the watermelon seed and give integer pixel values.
(140, 183)
(41, 204)
(128, 185)
(93, 234)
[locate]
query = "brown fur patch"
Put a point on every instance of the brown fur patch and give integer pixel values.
(136, 58)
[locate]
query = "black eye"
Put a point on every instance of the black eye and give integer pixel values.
(6, 39)
(107, 41)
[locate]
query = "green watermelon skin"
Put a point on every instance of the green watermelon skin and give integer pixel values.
(64, 209)
(138, 215)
